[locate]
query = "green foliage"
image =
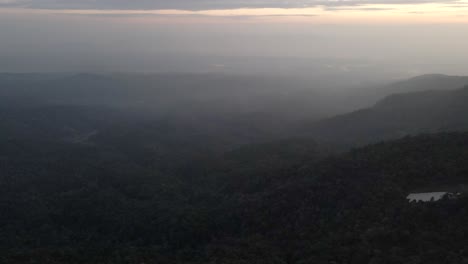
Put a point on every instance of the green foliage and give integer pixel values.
(265, 203)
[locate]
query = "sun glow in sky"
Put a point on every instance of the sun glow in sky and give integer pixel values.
(440, 12)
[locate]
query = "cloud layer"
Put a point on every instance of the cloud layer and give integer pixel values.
(198, 4)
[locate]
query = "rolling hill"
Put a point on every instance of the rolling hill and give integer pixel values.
(396, 116)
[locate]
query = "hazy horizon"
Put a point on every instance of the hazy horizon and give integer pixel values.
(386, 39)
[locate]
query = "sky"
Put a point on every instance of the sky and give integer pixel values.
(269, 36)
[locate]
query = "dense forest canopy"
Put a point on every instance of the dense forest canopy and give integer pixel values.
(229, 169)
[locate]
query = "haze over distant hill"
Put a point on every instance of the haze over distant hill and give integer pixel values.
(304, 98)
(241, 108)
(367, 95)
(399, 115)
(428, 82)
(170, 93)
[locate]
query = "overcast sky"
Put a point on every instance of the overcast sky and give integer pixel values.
(413, 36)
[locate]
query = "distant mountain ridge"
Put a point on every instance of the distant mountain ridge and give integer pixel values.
(398, 115)
(353, 98)
(428, 82)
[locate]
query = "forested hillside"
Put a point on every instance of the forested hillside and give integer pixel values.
(269, 203)
(87, 183)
